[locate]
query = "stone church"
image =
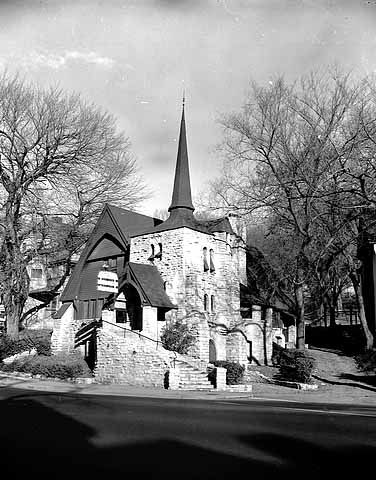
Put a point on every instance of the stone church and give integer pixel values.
(138, 273)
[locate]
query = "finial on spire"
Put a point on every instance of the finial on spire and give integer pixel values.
(184, 98)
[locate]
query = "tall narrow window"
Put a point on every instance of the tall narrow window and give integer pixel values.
(206, 302)
(205, 258)
(152, 252)
(212, 304)
(211, 253)
(159, 254)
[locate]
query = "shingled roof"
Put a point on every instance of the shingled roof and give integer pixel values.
(119, 225)
(150, 285)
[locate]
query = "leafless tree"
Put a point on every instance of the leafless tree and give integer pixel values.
(292, 156)
(59, 156)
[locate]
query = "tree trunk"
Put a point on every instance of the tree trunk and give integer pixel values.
(332, 316)
(300, 322)
(325, 314)
(14, 279)
(357, 283)
(268, 321)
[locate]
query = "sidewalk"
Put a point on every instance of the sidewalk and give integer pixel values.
(326, 393)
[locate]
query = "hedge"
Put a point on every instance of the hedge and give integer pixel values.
(57, 366)
(28, 339)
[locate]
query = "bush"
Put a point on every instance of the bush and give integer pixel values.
(367, 361)
(234, 371)
(28, 339)
(296, 366)
(57, 366)
(177, 337)
(277, 352)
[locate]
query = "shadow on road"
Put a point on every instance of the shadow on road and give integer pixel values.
(36, 439)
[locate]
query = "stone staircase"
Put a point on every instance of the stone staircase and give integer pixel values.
(192, 378)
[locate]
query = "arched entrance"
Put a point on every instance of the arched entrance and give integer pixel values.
(134, 308)
(212, 351)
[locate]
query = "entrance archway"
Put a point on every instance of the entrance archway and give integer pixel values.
(134, 307)
(212, 351)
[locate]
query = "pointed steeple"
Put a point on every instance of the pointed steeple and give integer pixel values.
(181, 195)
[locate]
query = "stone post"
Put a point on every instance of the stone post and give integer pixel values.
(220, 380)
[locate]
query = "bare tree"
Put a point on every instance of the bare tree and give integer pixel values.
(58, 156)
(290, 157)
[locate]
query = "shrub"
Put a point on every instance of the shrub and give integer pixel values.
(367, 361)
(28, 339)
(234, 371)
(296, 366)
(58, 366)
(178, 337)
(277, 352)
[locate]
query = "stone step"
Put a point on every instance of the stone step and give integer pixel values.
(196, 387)
(209, 385)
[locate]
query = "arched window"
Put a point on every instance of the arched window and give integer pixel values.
(205, 258)
(206, 302)
(211, 253)
(165, 286)
(212, 304)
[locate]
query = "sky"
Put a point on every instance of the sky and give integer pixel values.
(135, 58)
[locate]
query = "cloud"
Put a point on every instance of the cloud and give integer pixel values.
(55, 61)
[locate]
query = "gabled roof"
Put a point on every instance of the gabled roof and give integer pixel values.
(131, 222)
(150, 285)
(114, 223)
(218, 225)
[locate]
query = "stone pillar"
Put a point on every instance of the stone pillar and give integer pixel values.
(64, 330)
(220, 378)
(256, 313)
(291, 336)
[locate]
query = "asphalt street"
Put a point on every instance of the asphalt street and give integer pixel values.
(67, 435)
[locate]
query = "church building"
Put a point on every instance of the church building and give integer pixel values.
(137, 273)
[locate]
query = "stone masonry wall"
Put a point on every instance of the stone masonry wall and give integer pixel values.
(237, 348)
(124, 357)
(181, 266)
(187, 284)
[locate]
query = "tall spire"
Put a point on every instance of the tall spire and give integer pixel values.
(181, 195)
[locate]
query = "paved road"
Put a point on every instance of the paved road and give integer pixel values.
(65, 435)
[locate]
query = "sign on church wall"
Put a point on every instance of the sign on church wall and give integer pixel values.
(107, 281)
